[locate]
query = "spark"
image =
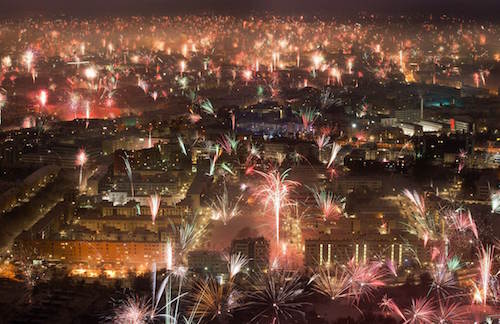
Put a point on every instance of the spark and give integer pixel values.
(421, 311)
(275, 190)
(331, 206)
(277, 298)
(128, 169)
(334, 284)
(154, 205)
(81, 159)
(181, 144)
(236, 263)
(333, 155)
(133, 310)
(223, 209)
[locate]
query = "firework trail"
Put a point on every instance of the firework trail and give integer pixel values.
(425, 225)
(214, 300)
(81, 159)
(133, 310)
(275, 190)
(333, 155)
(330, 205)
(461, 220)
(308, 117)
(321, 141)
(181, 144)
(228, 143)
(450, 312)
(482, 288)
(223, 209)
(365, 279)
(389, 306)
(236, 263)
(214, 158)
(495, 201)
(416, 199)
(333, 284)
(206, 105)
(128, 168)
(421, 311)
(276, 298)
(443, 279)
(154, 205)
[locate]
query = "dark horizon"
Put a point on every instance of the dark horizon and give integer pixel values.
(481, 9)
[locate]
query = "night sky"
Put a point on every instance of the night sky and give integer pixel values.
(473, 8)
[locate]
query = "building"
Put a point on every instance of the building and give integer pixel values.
(256, 249)
(360, 248)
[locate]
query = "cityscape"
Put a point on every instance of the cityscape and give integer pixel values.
(258, 167)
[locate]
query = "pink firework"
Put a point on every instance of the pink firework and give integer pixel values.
(275, 189)
(365, 279)
(421, 311)
(388, 306)
(453, 313)
(330, 205)
(461, 220)
(416, 199)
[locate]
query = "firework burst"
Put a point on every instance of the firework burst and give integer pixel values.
(331, 206)
(223, 209)
(154, 206)
(276, 298)
(275, 190)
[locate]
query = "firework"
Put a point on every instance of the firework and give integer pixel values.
(206, 105)
(28, 59)
(333, 284)
(223, 209)
(461, 220)
(365, 279)
(189, 234)
(308, 117)
(330, 205)
(425, 225)
(154, 205)
(181, 144)
(450, 312)
(90, 73)
(482, 288)
(128, 169)
(228, 143)
(169, 257)
(81, 159)
(275, 190)
(333, 155)
(276, 298)
(321, 141)
(421, 311)
(236, 263)
(495, 201)
(3, 102)
(443, 280)
(416, 199)
(133, 310)
(43, 98)
(389, 306)
(214, 300)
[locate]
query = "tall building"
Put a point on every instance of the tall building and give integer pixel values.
(256, 249)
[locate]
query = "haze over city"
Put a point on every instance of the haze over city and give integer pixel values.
(249, 162)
